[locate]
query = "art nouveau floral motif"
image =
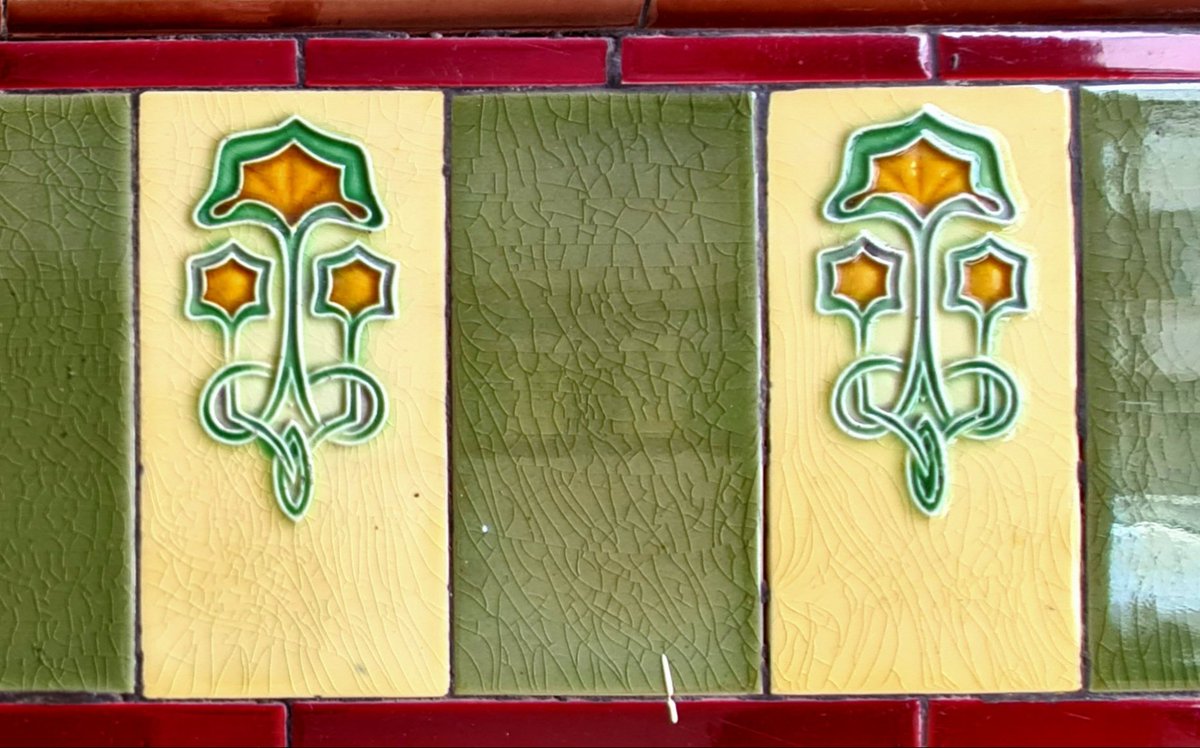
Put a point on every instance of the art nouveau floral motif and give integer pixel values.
(920, 174)
(289, 180)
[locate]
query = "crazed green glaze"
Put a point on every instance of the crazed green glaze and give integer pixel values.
(1141, 290)
(66, 415)
(605, 394)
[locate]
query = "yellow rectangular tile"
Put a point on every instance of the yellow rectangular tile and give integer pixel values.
(962, 577)
(331, 580)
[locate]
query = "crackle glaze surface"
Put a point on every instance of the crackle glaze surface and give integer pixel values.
(605, 374)
(869, 595)
(237, 599)
(1141, 264)
(66, 413)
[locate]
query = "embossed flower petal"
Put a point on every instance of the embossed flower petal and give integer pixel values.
(860, 280)
(229, 285)
(987, 278)
(354, 284)
(287, 174)
(906, 171)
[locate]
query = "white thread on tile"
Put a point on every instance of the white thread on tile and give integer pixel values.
(666, 666)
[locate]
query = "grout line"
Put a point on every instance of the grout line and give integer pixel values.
(447, 139)
(288, 729)
(761, 102)
(644, 15)
(301, 62)
(136, 343)
(923, 721)
(932, 50)
(1075, 156)
(612, 62)
(4, 19)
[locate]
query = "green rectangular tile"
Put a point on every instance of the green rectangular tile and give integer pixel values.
(605, 394)
(1141, 290)
(66, 331)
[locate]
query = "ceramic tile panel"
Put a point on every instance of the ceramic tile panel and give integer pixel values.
(605, 433)
(456, 62)
(1010, 724)
(1067, 55)
(141, 724)
(1141, 262)
(66, 414)
(294, 507)
(923, 502)
(43, 17)
(774, 58)
(611, 723)
(748, 14)
(177, 63)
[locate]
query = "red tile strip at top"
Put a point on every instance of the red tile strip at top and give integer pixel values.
(748, 14)
(456, 62)
(113, 17)
(545, 723)
(149, 64)
(775, 59)
(1066, 55)
(122, 724)
(1064, 723)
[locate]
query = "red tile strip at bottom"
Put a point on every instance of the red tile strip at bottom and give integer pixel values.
(775, 58)
(749, 14)
(552, 723)
(1064, 723)
(146, 63)
(456, 62)
(216, 725)
(1065, 55)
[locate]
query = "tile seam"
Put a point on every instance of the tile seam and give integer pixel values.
(136, 410)
(447, 155)
(761, 101)
(922, 722)
(1075, 154)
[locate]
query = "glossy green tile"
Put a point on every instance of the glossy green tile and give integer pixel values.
(66, 331)
(605, 394)
(1141, 290)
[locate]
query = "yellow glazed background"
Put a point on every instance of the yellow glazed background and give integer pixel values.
(236, 600)
(868, 595)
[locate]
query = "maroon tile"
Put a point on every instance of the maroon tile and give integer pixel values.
(775, 59)
(27, 17)
(456, 62)
(749, 14)
(1061, 55)
(142, 724)
(547, 723)
(149, 64)
(1064, 723)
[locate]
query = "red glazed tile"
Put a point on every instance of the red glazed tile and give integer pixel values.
(164, 16)
(747, 14)
(774, 59)
(142, 724)
(543, 723)
(149, 64)
(1064, 723)
(1069, 55)
(456, 62)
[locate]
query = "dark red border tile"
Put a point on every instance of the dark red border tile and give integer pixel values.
(148, 724)
(1066, 55)
(1064, 723)
(456, 62)
(26, 17)
(551, 723)
(148, 64)
(749, 14)
(775, 59)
